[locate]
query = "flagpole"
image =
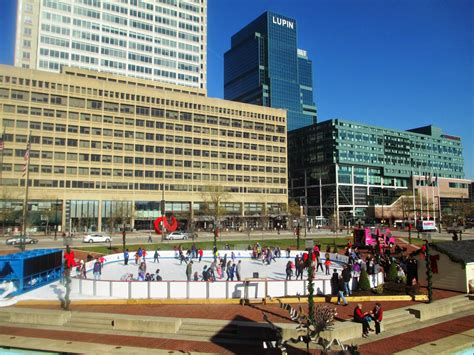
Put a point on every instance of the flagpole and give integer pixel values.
(414, 197)
(439, 202)
(432, 198)
(2, 148)
(420, 192)
(25, 202)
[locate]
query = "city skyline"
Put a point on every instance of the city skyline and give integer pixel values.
(422, 50)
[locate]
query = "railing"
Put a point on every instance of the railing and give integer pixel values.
(257, 288)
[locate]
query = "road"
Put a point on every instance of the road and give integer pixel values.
(142, 238)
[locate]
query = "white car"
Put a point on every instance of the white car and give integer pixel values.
(97, 238)
(177, 235)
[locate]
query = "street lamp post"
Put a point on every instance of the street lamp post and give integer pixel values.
(56, 222)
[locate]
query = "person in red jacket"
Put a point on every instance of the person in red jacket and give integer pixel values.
(362, 317)
(377, 316)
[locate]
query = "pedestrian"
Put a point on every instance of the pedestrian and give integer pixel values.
(125, 257)
(346, 275)
(156, 256)
(228, 270)
(377, 316)
(232, 256)
(144, 253)
(138, 256)
(327, 264)
(189, 270)
(149, 237)
(219, 269)
(319, 261)
(238, 270)
(289, 271)
(97, 269)
(299, 266)
(340, 293)
(288, 251)
(200, 252)
(361, 317)
(205, 274)
(334, 283)
(83, 270)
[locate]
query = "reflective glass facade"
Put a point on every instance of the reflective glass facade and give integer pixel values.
(349, 167)
(265, 67)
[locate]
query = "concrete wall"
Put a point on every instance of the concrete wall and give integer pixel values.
(450, 276)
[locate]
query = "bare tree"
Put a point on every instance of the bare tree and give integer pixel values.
(120, 215)
(294, 211)
(7, 208)
(213, 197)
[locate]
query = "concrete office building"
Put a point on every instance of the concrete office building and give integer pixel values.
(105, 146)
(265, 67)
(163, 40)
(349, 171)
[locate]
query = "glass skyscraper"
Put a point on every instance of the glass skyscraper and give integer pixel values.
(265, 67)
(159, 40)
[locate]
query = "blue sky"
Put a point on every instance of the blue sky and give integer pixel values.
(392, 63)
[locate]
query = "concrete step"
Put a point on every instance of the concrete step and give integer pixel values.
(463, 307)
(87, 325)
(88, 320)
(208, 333)
(401, 323)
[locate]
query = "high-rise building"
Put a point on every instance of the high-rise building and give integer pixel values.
(265, 67)
(105, 147)
(157, 40)
(357, 171)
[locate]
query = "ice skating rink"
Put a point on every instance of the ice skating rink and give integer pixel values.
(171, 269)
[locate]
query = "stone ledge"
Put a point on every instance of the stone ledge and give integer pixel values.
(431, 310)
(36, 316)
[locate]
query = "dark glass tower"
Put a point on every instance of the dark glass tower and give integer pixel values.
(265, 67)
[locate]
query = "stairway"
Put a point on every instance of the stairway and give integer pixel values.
(397, 318)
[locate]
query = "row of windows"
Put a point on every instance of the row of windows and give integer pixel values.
(118, 133)
(135, 186)
(149, 174)
(133, 97)
(170, 152)
(127, 110)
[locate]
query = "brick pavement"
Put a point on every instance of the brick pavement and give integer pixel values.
(424, 335)
(132, 341)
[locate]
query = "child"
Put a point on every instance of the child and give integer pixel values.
(196, 276)
(327, 264)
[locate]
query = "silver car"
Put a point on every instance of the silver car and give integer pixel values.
(177, 235)
(97, 238)
(18, 240)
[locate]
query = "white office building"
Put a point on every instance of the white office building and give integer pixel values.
(162, 40)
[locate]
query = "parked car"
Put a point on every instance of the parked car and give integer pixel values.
(97, 238)
(177, 235)
(18, 240)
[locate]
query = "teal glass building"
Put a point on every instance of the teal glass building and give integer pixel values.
(264, 67)
(350, 170)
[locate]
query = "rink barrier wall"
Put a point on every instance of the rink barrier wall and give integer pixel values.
(174, 289)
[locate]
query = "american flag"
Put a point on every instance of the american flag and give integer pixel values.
(26, 157)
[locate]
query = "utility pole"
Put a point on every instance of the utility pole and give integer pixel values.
(56, 222)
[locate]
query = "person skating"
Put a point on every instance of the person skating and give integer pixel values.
(238, 270)
(125, 257)
(189, 270)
